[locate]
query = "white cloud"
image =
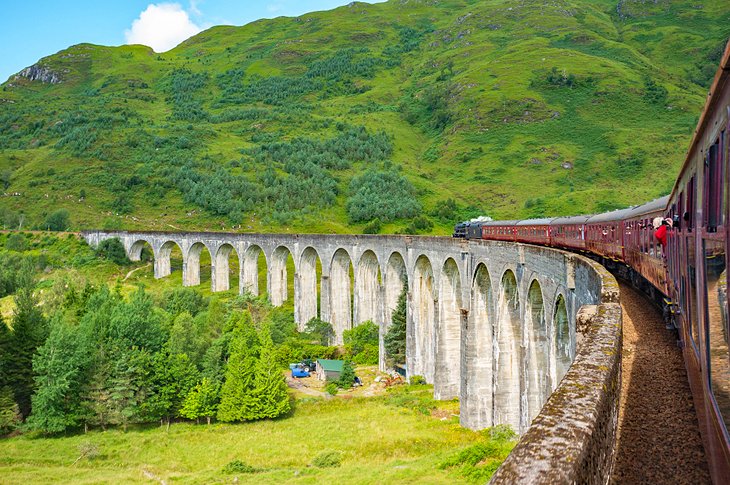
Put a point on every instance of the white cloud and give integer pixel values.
(194, 7)
(162, 27)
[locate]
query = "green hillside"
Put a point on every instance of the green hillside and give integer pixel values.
(401, 116)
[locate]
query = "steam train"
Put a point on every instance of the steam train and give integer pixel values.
(688, 276)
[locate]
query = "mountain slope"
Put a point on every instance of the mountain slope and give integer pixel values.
(408, 112)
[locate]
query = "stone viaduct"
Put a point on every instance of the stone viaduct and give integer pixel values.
(491, 323)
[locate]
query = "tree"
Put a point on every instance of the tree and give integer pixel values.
(273, 399)
(238, 400)
(29, 332)
(113, 250)
(347, 376)
(362, 342)
(9, 412)
(6, 342)
(57, 221)
(173, 376)
(59, 366)
(179, 300)
(201, 401)
(395, 337)
(320, 330)
(129, 386)
(185, 339)
(137, 324)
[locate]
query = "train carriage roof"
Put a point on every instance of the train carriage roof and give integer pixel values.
(535, 222)
(616, 215)
(656, 205)
(720, 84)
(500, 223)
(569, 220)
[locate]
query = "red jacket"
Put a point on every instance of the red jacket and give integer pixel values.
(661, 234)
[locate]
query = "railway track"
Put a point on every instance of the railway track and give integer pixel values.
(658, 436)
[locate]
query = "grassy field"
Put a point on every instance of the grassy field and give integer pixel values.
(378, 441)
(517, 110)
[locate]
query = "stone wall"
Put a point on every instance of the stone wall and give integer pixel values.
(572, 439)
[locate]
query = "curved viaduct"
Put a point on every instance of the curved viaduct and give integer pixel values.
(491, 323)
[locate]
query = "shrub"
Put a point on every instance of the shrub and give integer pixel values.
(328, 459)
(368, 356)
(417, 380)
(360, 336)
(331, 388)
(57, 221)
(237, 466)
(372, 227)
(113, 250)
(16, 242)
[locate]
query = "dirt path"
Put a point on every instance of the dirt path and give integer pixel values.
(300, 386)
(136, 269)
(658, 437)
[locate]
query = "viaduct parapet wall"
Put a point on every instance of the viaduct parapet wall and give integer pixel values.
(492, 323)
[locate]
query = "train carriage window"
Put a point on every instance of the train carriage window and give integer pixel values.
(692, 311)
(717, 325)
(711, 206)
(691, 199)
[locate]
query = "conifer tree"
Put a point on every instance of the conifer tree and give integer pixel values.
(395, 337)
(347, 376)
(5, 350)
(201, 401)
(271, 389)
(9, 411)
(238, 399)
(173, 376)
(29, 332)
(59, 366)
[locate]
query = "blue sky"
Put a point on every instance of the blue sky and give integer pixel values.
(31, 29)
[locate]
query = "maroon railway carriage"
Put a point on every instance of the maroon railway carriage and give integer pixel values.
(698, 251)
(604, 234)
(642, 250)
(534, 231)
(499, 230)
(569, 232)
(693, 272)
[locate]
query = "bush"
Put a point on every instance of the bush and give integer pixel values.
(328, 459)
(372, 227)
(368, 356)
(417, 380)
(331, 388)
(361, 335)
(113, 250)
(57, 221)
(237, 466)
(16, 242)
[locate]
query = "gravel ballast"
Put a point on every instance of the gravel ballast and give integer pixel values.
(658, 437)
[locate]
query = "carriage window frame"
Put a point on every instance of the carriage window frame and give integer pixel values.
(713, 187)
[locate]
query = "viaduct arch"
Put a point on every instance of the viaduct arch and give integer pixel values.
(485, 323)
